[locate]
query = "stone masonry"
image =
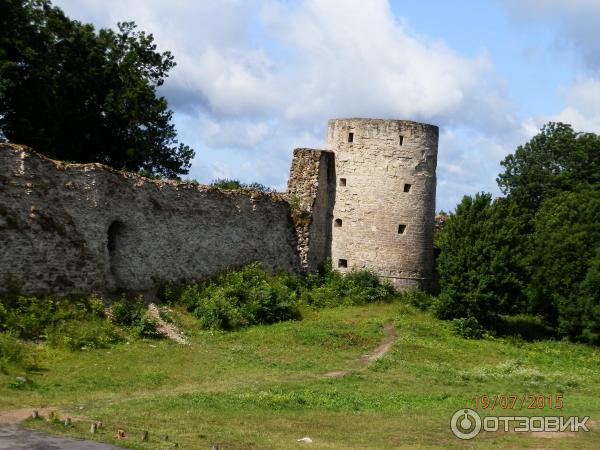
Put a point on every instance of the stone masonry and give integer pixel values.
(367, 201)
(381, 206)
(80, 228)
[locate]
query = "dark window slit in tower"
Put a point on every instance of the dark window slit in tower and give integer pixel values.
(342, 263)
(401, 139)
(342, 182)
(337, 223)
(407, 187)
(350, 137)
(401, 228)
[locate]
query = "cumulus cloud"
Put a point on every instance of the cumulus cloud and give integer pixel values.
(259, 77)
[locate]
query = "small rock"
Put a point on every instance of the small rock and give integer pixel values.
(306, 440)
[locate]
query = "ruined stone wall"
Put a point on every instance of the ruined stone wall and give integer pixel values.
(385, 198)
(79, 228)
(311, 192)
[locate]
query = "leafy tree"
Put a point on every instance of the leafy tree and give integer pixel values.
(480, 263)
(79, 95)
(556, 160)
(565, 257)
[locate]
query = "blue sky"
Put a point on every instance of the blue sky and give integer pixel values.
(257, 78)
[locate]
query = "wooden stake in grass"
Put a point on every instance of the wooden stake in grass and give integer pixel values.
(67, 422)
(120, 434)
(35, 414)
(144, 435)
(93, 428)
(99, 425)
(165, 437)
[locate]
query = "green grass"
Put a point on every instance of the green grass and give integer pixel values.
(261, 387)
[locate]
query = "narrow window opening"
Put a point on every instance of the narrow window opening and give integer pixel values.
(350, 137)
(407, 187)
(343, 263)
(401, 228)
(342, 182)
(337, 223)
(401, 139)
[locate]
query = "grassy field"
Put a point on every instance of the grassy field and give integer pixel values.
(262, 387)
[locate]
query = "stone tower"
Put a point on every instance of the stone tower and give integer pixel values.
(384, 208)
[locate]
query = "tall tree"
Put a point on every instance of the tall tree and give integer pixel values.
(555, 160)
(480, 264)
(79, 95)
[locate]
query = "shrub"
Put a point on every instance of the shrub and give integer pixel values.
(133, 314)
(29, 317)
(468, 328)
(76, 335)
(332, 288)
(12, 351)
(238, 299)
(418, 299)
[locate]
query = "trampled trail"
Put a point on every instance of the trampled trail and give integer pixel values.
(389, 339)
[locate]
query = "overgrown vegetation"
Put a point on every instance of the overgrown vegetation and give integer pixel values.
(133, 314)
(226, 183)
(75, 323)
(252, 296)
(535, 251)
(328, 287)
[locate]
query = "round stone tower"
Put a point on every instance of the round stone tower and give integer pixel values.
(383, 218)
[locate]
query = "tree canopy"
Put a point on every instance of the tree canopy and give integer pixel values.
(535, 251)
(79, 95)
(555, 160)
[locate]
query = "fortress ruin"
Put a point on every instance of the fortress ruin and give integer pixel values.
(366, 201)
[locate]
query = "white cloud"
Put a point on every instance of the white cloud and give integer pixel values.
(583, 105)
(265, 76)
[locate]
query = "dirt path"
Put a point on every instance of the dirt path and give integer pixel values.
(390, 337)
(168, 330)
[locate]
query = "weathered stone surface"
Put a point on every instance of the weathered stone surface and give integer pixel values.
(80, 228)
(311, 189)
(368, 201)
(385, 198)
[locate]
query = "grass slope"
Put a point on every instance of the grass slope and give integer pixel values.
(262, 387)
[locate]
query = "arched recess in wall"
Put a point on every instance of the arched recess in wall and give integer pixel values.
(114, 244)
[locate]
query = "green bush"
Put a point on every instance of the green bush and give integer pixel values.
(418, 299)
(246, 297)
(468, 328)
(29, 317)
(76, 335)
(332, 288)
(133, 314)
(12, 350)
